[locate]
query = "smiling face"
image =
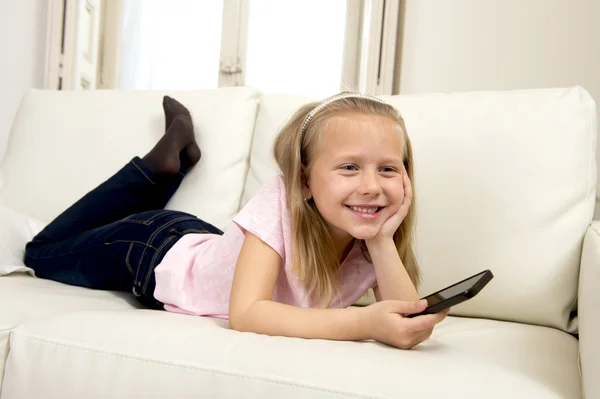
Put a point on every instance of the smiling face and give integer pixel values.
(355, 177)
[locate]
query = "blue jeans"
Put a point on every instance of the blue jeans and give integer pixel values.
(115, 236)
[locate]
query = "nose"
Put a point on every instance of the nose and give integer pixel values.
(369, 184)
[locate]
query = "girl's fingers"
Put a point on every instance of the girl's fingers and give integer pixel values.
(424, 336)
(426, 322)
(419, 338)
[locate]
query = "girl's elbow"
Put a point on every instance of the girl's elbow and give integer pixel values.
(235, 323)
(238, 319)
(243, 318)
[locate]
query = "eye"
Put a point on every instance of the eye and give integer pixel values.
(388, 169)
(350, 168)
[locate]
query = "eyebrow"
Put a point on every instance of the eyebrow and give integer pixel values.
(354, 157)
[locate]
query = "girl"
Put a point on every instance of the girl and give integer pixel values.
(337, 222)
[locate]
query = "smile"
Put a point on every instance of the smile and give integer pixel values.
(366, 212)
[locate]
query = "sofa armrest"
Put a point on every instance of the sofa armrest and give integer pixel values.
(588, 306)
(16, 229)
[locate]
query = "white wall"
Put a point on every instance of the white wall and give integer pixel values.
(463, 45)
(22, 42)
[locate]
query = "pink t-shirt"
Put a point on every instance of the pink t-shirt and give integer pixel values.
(195, 275)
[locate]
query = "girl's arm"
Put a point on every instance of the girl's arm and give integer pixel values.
(393, 281)
(251, 308)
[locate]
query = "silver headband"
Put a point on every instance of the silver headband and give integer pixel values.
(346, 94)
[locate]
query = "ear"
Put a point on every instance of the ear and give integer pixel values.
(306, 193)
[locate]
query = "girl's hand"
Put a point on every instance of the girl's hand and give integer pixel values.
(385, 322)
(390, 226)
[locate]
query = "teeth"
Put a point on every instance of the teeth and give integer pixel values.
(364, 210)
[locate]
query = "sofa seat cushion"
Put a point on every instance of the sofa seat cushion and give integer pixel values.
(24, 298)
(136, 353)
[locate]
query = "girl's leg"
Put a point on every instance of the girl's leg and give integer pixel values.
(141, 185)
(120, 256)
(133, 189)
(118, 231)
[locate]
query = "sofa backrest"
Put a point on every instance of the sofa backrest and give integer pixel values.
(63, 144)
(504, 181)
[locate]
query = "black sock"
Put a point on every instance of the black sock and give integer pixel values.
(173, 108)
(176, 147)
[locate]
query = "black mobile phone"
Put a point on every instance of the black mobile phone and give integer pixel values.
(456, 293)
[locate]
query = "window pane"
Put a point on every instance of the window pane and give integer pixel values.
(171, 44)
(296, 46)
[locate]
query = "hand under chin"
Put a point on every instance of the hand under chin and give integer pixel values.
(367, 233)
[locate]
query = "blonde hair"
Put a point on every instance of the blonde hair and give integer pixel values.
(314, 258)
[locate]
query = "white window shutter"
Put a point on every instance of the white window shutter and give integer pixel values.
(73, 44)
(378, 46)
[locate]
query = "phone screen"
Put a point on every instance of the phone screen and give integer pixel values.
(451, 291)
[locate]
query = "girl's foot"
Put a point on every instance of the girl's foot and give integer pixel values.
(173, 108)
(177, 147)
(190, 155)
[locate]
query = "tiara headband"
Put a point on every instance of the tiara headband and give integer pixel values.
(322, 105)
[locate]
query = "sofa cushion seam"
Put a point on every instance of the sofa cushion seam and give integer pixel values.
(194, 368)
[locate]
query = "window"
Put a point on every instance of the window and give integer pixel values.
(309, 47)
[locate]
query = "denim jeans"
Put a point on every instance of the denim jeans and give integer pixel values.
(114, 237)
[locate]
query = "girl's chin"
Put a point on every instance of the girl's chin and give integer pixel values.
(364, 235)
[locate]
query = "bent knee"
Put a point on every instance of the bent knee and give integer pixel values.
(32, 252)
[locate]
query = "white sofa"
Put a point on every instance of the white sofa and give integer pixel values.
(504, 180)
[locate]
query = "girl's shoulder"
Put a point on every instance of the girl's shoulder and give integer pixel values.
(270, 198)
(272, 190)
(274, 183)
(266, 214)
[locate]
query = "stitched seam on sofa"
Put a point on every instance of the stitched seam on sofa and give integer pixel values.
(248, 162)
(4, 359)
(586, 212)
(201, 369)
(589, 213)
(579, 370)
(586, 215)
(595, 230)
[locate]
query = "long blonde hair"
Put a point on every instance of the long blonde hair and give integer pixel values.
(314, 258)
